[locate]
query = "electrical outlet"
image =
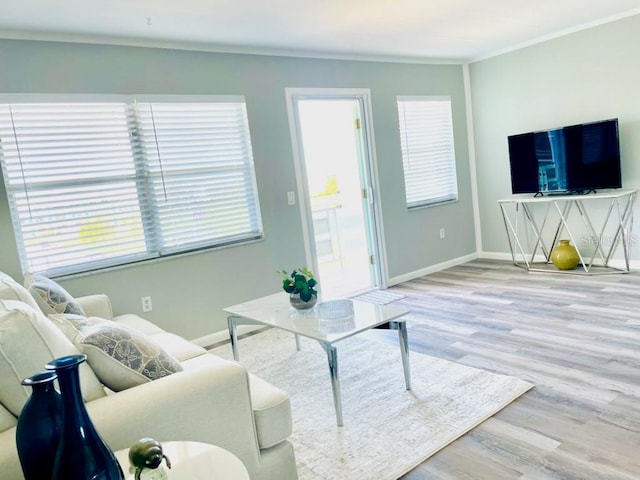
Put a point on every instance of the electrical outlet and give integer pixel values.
(442, 233)
(146, 304)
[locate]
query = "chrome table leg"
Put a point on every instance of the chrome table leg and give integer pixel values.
(403, 337)
(233, 336)
(332, 357)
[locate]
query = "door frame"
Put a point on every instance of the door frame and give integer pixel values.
(363, 95)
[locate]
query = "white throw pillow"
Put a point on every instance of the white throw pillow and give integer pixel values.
(28, 341)
(120, 356)
(51, 297)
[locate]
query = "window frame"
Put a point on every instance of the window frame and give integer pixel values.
(428, 198)
(248, 169)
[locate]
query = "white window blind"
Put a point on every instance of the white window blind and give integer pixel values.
(428, 156)
(200, 173)
(92, 185)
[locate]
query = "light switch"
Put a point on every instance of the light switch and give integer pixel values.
(291, 198)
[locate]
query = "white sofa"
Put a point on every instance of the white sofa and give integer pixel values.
(211, 400)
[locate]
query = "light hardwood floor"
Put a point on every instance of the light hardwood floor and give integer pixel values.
(577, 338)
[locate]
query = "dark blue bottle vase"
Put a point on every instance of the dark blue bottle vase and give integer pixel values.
(82, 454)
(39, 426)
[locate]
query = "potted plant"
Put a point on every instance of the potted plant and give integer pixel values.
(300, 285)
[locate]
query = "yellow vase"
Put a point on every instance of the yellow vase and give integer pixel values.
(565, 256)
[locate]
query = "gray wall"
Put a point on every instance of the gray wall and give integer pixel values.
(189, 291)
(590, 75)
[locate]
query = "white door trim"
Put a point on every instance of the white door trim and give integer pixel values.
(364, 94)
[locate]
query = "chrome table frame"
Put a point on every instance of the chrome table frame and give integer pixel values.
(394, 322)
(619, 212)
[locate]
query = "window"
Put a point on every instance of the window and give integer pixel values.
(92, 185)
(428, 157)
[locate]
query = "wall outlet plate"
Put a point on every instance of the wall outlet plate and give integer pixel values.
(146, 304)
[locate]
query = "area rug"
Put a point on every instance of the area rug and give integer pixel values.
(387, 430)
(380, 297)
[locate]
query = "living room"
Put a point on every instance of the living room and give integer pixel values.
(592, 80)
(584, 75)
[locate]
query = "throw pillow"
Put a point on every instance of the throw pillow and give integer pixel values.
(51, 297)
(27, 342)
(120, 356)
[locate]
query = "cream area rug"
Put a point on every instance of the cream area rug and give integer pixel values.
(387, 430)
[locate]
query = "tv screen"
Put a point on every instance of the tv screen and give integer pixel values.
(574, 159)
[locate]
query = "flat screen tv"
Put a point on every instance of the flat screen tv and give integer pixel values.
(573, 159)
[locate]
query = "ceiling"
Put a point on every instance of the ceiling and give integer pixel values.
(448, 30)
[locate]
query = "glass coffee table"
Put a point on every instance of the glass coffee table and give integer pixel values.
(275, 311)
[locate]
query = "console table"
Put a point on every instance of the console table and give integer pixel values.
(535, 225)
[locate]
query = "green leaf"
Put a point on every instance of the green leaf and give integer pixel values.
(312, 283)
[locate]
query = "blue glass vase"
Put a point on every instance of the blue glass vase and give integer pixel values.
(82, 454)
(38, 429)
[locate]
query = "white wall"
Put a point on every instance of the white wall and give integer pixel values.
(589, 75)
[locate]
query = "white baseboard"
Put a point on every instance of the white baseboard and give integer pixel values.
(616, 263)
(432, 269)
(506, 256)
(223, 335)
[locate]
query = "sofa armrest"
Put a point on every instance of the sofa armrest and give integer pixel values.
(209, 404)
(97, 305)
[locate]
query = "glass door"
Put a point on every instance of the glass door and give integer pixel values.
(336, 165)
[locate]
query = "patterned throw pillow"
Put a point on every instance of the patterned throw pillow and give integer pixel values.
(120, 356)
(50, 296)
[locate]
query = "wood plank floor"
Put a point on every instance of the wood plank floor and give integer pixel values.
(577, 338)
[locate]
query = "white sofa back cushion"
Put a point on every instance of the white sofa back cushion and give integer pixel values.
(7, 419)
(12, 290)
(28, 340)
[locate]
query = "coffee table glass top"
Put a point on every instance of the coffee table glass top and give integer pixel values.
(275, 310)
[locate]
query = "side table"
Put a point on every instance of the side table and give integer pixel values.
(194, 461)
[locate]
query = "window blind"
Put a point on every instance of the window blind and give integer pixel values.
(200, 173)
(92, 185)
(428, 156)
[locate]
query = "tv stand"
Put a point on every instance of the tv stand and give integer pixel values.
(546, 219)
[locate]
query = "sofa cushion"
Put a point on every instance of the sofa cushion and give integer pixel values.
(271, 411)
(140, 324)
(177, 346)
(12, 290)
(174, 345)
(120, 356)
(51, 297)
(7, 419)
(271, 405)
(27, 342)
